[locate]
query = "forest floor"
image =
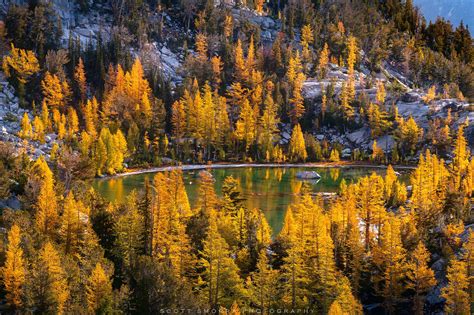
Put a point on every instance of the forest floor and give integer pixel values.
(190, 167)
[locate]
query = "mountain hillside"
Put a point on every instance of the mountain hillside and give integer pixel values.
(93, 90)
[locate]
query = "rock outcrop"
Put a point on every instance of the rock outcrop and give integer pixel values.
(10, 118)
(409, 104)
(308, 175)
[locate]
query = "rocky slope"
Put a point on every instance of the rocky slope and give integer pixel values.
(10, 118)
(410, 104)
(169, 57)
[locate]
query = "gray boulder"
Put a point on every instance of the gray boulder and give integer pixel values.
(285, 135)
(439, 267)
(411, 97)
(166, 160)
(346, 153)
(466, 233)
(12, 202)
(308, 175)
(359, 136)
(386, 143)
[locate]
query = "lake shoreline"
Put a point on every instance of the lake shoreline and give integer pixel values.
(193, 167)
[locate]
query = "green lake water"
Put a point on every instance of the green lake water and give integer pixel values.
(270, 189)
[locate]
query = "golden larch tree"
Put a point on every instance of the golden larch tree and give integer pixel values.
(72, 225)
(46, 204)
(81, 80)
(245, 129)
(207, 197)
(420, 277)
(461, 158)
(201, 47)
(294, 67)
(171, 211)
(264, 283)
(345, 231)
(250, 62)
(38, 129)
(334, 155)
(297, 147)
(294, 273)
(89, 114)
(351, 60)
(98, 290)
(56, 93)
(268, 125)
(429, 191)
(336, 309)
(346, 108)
(380, 94)
(370, 206)
(228, 26)
(297, 109)
(208, 120)
(178, 119)
(455, 293)
(320, 249)
(323, 61)
(129, 228)
(20, 65)
(72, 122)
(217, 67)
(14, 272)
(241, 71)
(26, 130)
(306, 39)
(409, 134)
(389, 182)
(259, 5)
(346, 300)
(389, 258)
(49, 285)
(288, 229)
(220, 271)
(196, 113)
(222, 123)
(430, 95)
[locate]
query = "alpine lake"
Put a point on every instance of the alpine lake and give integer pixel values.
(270, 189)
